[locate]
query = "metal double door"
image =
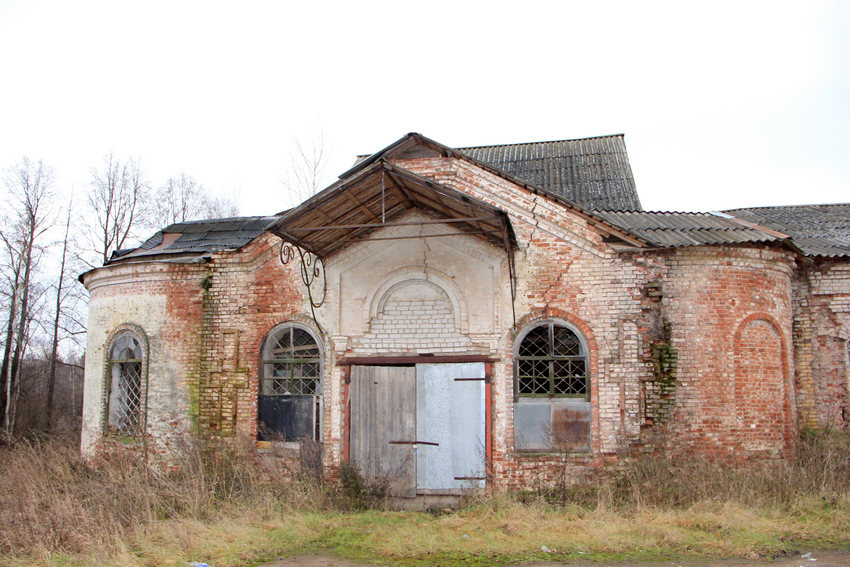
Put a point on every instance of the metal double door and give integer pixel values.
(419, 428)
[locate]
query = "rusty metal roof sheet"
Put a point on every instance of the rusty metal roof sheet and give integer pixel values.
(817, 230)
(201, 236)
(688, 229)
(592, 172)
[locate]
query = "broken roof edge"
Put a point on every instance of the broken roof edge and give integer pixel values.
(359, 158)
(161, 242)
(775, 207)
(173, 258)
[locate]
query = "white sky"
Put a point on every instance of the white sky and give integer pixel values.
(724, 104)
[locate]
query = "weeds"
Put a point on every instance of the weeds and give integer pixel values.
(52, 501)
(358, 493)
(819, 471)
(226, 503)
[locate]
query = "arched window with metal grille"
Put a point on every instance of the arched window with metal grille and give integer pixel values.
(289, 404)
(551, 361)
(552, 410)
(124, 391)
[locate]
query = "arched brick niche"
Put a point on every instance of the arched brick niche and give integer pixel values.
(762, 407)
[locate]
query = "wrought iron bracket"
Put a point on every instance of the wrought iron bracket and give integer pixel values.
(312, 270)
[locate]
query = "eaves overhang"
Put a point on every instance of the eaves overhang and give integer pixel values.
(378, 196)
(415, 145)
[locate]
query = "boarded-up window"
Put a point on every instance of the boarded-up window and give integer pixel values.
(552, 390)
(289, 404)
(124, 385)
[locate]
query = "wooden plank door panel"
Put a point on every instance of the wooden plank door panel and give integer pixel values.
(383, 425)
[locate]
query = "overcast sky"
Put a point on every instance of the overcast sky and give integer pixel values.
(723, 104)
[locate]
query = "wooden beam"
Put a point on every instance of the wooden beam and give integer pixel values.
(407, 360)
(360, 205)
(400, 223)
(401, 190)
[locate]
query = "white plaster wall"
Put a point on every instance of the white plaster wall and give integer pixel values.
(371, 281)
(122, 296)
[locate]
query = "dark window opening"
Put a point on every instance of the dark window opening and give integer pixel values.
(289, 405)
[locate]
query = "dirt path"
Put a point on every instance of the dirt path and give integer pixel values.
(816, 559)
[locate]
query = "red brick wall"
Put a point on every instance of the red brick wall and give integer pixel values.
(722, 316)
(730, 315)
(821, 339)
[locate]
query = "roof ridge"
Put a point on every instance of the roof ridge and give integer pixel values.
(788, 206)
(691, 213)
(222, 219)
(617, 135)
(706, 228)
(621, 134)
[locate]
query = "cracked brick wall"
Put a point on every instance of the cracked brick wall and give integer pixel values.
(726, 312)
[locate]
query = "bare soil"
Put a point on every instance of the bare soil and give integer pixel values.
(816, 559)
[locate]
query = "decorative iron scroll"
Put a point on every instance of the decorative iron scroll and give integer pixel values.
(312, 269)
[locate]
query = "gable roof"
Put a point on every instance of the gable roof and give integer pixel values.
(592, 172)
(666, 230)
(817, 230)
(200, 236)
(376, 197)
(415, 145)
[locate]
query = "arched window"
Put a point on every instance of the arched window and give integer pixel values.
(551, 361)
(125, 415)
(551, 389)
(289, 405)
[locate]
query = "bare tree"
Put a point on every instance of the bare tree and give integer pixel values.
(116, 199)
(305, 175)
(182, 198)
(29, 188)
(220, 207)
(64, 296)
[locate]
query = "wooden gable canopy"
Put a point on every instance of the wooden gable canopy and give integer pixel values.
(377, 197)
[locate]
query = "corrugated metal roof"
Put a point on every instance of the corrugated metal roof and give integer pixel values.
(202, 236)
(686, 229)
(592, 172)
(817, 230)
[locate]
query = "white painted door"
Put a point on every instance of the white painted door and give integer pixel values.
(450, 426)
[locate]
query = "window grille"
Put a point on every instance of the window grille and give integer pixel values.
(289, 404)
(125, 386)
(292, 364)
(551, 361)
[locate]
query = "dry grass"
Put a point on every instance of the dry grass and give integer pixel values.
(51, 501)
(226, 508)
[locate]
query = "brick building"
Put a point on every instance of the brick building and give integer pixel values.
(451, 318)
